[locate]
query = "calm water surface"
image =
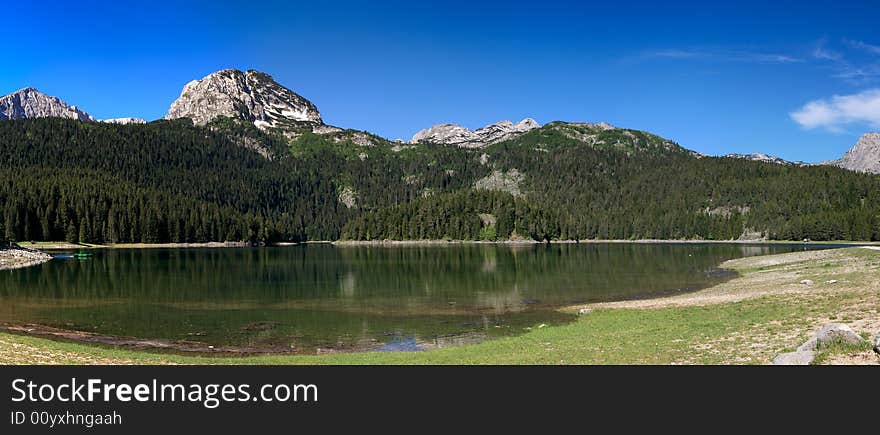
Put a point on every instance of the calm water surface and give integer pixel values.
(312, 297)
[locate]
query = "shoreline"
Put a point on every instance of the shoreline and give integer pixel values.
(68, 245)
(590, 241)
(765, 311)
(38, 246)
(759, 276)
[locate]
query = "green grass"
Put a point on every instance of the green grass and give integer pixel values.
(618, 336)
(841, 349)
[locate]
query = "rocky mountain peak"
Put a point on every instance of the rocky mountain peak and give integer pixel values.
(864, 156)
(527, 124)
(761, 157)
(251, 96)
(452, 134)
(31, 103)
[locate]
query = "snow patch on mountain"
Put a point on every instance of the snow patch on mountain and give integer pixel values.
(124, 121)
(250, 96)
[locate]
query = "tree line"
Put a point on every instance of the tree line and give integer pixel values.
(170, 181)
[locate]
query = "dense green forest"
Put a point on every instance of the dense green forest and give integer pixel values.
(75, 176)
(169, 181)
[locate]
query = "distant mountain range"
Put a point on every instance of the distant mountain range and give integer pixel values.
(760, 157)
(256, 98)
(239, 157)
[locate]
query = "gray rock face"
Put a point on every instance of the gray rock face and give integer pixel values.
(251, 96)
(864, 157)
(760, 157)
(794, 358)
(502, 182)
(31, 103)
(876, 343)
(594, 125)
(15, 257)
(830, 334)
(451, 134)
(124, 121)
(505, 130)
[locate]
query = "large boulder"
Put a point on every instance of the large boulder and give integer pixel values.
(830, 334)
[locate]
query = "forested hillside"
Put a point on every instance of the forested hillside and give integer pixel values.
(159, 182)
(170, 181)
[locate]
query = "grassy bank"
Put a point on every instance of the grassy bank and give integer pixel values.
(747, 320)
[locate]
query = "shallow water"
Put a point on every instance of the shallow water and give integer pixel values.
(305, 298)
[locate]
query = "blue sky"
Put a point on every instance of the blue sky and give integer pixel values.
(795, 79)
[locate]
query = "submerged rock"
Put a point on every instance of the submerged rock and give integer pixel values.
(260, 326)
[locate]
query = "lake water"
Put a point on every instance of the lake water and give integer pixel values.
(313, 298)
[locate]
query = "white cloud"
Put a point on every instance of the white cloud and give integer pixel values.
(851, 65)
(719, 54)
(873, 49)
(821, 53)
(840, 110)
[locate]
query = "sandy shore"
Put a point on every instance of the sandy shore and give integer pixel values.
(16, 258)
(779, 274)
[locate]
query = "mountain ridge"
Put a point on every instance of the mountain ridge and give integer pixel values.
(124, 121)
(255, 97)
(864, 156)
(454, 134)
(29, 103)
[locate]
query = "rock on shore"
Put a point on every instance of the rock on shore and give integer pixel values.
(828, 335)
(16, 257)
